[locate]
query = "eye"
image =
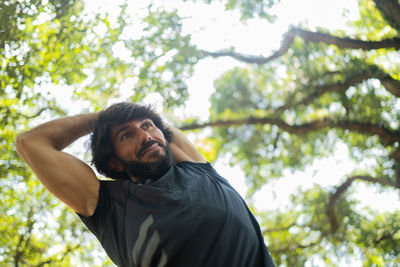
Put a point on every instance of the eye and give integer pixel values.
(126, 135)
(146, 125)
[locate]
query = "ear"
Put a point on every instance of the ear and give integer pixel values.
(115, 164)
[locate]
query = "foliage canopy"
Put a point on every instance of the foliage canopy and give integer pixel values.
(271, 114)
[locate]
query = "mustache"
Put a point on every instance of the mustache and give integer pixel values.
(146, 145)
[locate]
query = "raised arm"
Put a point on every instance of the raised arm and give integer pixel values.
(65, 176)
(182, 148)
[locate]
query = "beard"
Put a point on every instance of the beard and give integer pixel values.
(150, 170)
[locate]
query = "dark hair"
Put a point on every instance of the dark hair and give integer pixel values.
(100, 141)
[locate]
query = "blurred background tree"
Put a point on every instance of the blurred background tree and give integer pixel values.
(270, 113)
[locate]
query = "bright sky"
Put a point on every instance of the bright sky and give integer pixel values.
(212, 29)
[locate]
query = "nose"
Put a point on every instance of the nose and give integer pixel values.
(144, 136)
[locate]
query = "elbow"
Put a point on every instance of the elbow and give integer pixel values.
(20, 143)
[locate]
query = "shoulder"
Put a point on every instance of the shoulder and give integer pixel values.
(205, 168)
(198, 167)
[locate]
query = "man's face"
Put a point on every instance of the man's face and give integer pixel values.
(141, 149)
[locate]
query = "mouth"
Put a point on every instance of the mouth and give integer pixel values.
(149, 148)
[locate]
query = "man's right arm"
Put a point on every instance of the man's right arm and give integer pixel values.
(65, 176)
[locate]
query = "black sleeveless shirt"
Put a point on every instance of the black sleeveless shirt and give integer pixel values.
(189, 217)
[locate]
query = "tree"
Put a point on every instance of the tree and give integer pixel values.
(59, 45)
(334, 88)
(40, 44)
(280, 112)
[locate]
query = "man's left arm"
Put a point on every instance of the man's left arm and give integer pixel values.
(182, 148)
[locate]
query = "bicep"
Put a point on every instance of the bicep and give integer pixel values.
(65, 176)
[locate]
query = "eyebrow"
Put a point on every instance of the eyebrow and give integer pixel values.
(123, 128)
(146, 120)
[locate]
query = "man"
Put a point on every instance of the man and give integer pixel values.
(166, 205)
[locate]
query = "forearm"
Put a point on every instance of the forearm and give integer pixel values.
(182, 148)
(58, 133)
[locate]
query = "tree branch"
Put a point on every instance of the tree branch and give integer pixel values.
(346, 42)
(34, 115)
(8, 110)
(334, 197)
(24, 238)
(285, 45)
(310, 37)
(294, 247)
(387, 136)
(386, 236)
(280, 229)
(396, 156)
(390, 10)
(392, 85)
(322, 89)
(60, 256)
